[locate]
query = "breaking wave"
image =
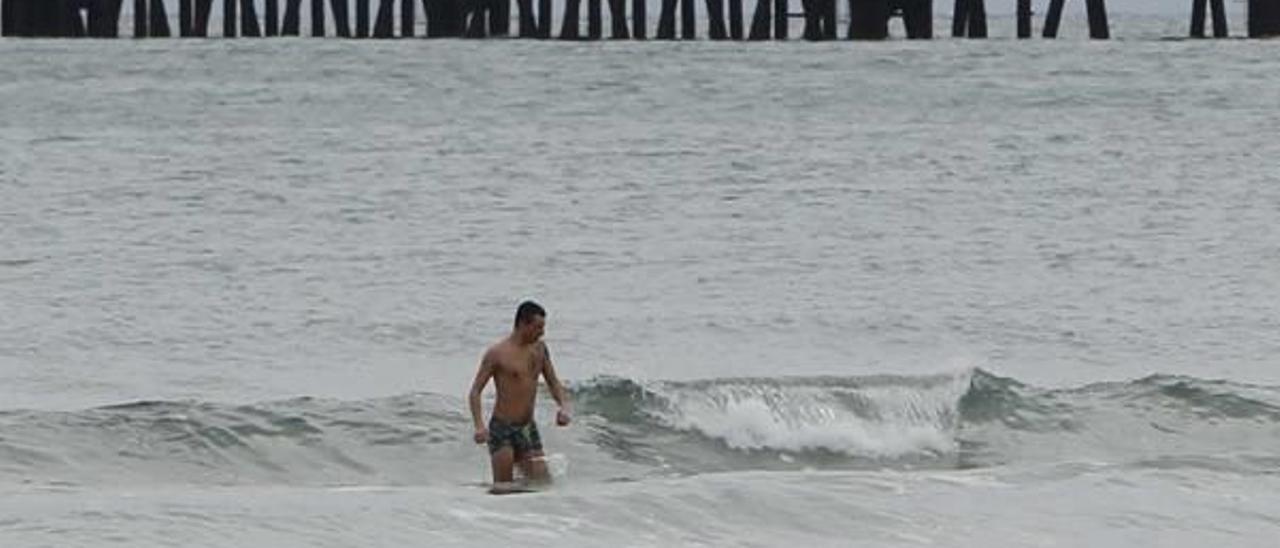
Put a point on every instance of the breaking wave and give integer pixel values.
(628, 428)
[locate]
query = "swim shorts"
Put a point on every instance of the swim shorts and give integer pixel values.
(522, 438)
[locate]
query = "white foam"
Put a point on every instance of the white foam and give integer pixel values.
(879, 421)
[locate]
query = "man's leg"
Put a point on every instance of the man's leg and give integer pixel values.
(534, 467)
(502, 463)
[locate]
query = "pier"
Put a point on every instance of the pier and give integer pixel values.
(628, 19)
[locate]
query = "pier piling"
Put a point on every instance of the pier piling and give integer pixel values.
(292, 23)
(618, 20)
(229, 16)
(595, 20)
(249, 19)
(140, 19)
(408, 19)
(762, 20)
(735, 20)
(868, 19)
(1024, 19)
(639, 23)
(317, 18)
(1264, 18)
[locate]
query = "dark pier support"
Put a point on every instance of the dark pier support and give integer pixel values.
(917, 17)
(104, 18)
(762, 20)
(200, 25)
(1264, 18)
(385, 20)
(715, 20)
(109, 11)
(1098, 26)
(978, 18)
(271, 17)
(868, 19)
(476, 19)
(158, 22)
(62, 18)
(362, 18)
(43, 18)
(229, 18)
(1053, 19)
(688, 19)
(75, 26)
(292, 18)
(528, 26)
(595, 20)
(249, 19)
(829, 19)
(1099, 29)
(639, 21)
(969, 19)
(1024, 18)
(184, 18)
(780, 19)
(98, 12)
(572, 19)
(341, 17)
(454, 17)
(544, 19)
(66, 18)
(959, 18)
(1197, 18)
(79, 24)
(140, 19)
(1219, 18)
(812, 24)
(618, 20)
(500, 18)
(434, 11)
(735, 20)
(8, 16)
(667, 20)
(408, 19)
(317, 18)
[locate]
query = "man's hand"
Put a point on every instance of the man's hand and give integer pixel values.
(481, 436)
(562, 418)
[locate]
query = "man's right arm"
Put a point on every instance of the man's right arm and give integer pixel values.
(477, 388)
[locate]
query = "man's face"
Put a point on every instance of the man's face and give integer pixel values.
(532, 330)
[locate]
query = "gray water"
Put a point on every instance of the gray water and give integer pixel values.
(961, 293)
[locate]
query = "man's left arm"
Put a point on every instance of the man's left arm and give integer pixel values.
(558, 391)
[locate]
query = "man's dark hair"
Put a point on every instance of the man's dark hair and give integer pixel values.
(529, 310)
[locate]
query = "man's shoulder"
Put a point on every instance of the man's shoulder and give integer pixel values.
(498, 350)
(494, 352)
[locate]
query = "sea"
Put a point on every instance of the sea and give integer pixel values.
(958, 293)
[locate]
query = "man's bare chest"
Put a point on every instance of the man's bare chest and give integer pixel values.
(517, 367)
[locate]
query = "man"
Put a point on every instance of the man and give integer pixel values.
(514, 363)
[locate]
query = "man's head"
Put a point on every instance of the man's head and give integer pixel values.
(531, 319)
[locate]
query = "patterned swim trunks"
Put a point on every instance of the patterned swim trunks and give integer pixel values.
(522, 438)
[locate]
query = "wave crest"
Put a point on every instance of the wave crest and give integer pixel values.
(631, 427)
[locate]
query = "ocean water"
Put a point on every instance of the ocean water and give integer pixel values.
(954, 293)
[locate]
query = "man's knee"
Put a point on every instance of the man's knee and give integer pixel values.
(503, 460)
(534, 466)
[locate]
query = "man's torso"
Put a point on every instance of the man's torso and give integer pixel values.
(515, 372)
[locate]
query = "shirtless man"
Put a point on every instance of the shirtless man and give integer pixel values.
(514, 363)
